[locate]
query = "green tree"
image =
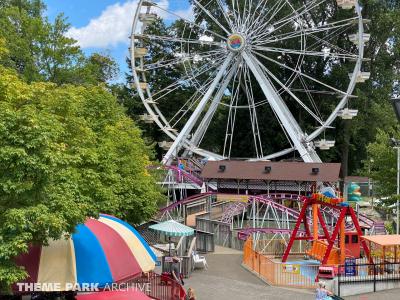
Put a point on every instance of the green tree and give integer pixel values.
(41, 51)
(373, 102)
(66, 153)
(382, 163)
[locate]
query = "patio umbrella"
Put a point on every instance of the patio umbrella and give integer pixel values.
(114, 295)
(101, 251)
(172, 228)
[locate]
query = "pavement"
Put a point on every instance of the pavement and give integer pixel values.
(226, 279)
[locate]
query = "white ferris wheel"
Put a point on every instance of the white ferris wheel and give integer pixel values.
(238, 56)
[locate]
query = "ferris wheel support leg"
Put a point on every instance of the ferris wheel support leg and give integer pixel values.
(282, 111)
(202, 128)
(176, 146)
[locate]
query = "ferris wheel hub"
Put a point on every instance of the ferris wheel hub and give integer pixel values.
(236, 42)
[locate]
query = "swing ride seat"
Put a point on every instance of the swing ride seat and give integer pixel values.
(318, 251)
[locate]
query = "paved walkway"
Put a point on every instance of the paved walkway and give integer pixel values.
(227, 280)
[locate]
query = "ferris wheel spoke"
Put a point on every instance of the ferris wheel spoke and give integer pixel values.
(298, 13)
(185, 107)
(276, 102)
(309, 96)
(205, 122)
(184, 79)
(236, 12)
(261, 23)
(230, 127)
(226, 16)
(253, 113)
(191, 23)
(305, 52)
(301, 74)
(189, 105)
(230, 124)
(180, 60)
(271, 75)
(281, 5)
(306, 32)
(194, 117)
(326, 42)
(208, 13)
(292, 17)
(250, 15)
(178, 40)
(257, 15)
(265, 24)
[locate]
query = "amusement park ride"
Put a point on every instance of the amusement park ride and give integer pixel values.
(323, 246)
(224, 60)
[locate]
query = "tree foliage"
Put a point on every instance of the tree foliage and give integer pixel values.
(382, 163)
(65, 153)
(68, 150)
(41, 51)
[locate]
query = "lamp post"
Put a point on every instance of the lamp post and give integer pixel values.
(396, 145)
(371, 161)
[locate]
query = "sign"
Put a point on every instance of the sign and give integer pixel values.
(350, 267)
(158, 263)
(236, 42)
(168, 259)
(293, 269)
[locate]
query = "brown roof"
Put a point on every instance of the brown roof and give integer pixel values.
(358, 179)
(284, 171)
(384, 240)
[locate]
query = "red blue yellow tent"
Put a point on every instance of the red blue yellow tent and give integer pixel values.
(101, 252)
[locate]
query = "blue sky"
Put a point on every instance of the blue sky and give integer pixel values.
(104, 25)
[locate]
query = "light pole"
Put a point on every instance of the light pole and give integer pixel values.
(396, 145)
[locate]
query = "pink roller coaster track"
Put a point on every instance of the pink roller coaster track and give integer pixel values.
(269, 200)
(182, 175)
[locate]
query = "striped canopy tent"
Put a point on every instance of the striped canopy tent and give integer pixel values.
(172, 228)
(101, 251)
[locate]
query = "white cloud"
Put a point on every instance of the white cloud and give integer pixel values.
(109, 29)
(113, 26)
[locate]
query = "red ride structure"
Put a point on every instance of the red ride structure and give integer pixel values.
(323, 248)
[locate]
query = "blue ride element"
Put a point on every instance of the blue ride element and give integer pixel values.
(328, 192)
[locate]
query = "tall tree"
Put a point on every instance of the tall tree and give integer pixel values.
(66, 153)
(41, 51)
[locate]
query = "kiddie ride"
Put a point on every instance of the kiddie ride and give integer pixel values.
(335, 244)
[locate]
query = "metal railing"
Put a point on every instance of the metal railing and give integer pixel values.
(294, 274)
(222, 234)
(365, 273)
(161, 287)
(185, 266)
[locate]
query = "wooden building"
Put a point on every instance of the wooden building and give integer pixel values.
(247, 177)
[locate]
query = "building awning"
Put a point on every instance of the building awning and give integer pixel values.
(356, 179)
(271, 171)
(383, 240)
